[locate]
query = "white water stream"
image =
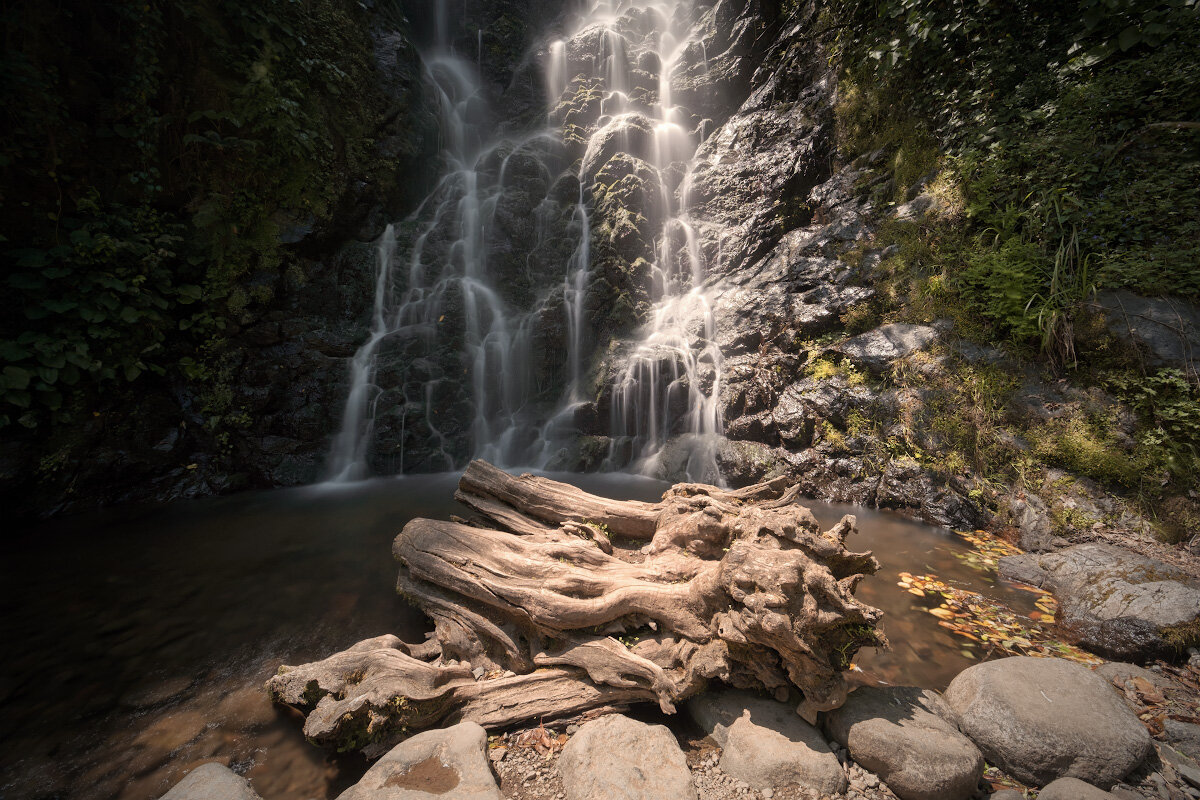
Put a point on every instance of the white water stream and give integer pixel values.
(669, 384)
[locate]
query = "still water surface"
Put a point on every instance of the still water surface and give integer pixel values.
(137, 640)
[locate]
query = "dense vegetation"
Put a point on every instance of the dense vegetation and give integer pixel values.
(158, 157)
(1062, 143)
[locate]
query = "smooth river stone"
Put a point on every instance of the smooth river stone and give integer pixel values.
(617, 758)
(900, 733)
(1045, 718)
(449, 763)
(210, 782)
(766, 743)
(1073, 789)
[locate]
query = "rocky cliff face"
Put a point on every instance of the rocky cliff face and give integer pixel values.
(662, 267)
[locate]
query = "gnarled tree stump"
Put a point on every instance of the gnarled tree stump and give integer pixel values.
(546, 590)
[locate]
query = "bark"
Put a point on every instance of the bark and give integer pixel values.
(567, 603)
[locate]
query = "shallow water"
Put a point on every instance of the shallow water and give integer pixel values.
(138, 641)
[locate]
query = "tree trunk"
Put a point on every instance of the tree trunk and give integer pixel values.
(547, 595)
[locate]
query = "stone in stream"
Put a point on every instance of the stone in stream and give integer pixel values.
(1113, 601)
(619, 758)
(212, 782)
(449, 763)
(900, 733)
(767, 744)
(1044, 718)
(1072, 789)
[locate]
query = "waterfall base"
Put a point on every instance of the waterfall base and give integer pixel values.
(545, 607)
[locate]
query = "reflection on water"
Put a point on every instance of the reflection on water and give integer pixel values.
(922, 652)
(138, 641)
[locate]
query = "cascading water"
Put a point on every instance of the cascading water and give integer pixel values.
(476, 304)
(670, 384)
(449, 276)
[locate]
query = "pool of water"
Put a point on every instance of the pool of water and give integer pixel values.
(138, 640)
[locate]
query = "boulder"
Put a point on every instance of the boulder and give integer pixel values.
(1166, 329)
(210, 782)
(766, 743)
(900, 734)
(1045, 718)
(878, 349)
(619, 758)
(1072, 789)
(450, 763)
(1112, 601)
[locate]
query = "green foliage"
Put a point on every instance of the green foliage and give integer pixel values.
(1168, 408)
(155, 151)
(822, 369)
(1073, 129)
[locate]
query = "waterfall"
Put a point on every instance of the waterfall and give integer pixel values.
(670, 384)
(471, 270)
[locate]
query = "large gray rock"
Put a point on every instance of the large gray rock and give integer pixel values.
(1112, 601)
(212, 782)
(1072, 789)
(878, 349)
(449, 763)
(1167, 330)
(766, 744)
(900, 733)
(616, 757)
(1044, 718)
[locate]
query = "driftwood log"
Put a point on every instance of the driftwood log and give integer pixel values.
(550, 603)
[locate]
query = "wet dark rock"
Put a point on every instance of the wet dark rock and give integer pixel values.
(210, 781)
(1040, 719)
(752, 177)
(631, 134)
(900, 734)
(1112, 601)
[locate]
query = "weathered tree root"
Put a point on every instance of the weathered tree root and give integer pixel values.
(736, 585)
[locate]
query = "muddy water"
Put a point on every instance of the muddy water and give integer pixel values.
(137, 642)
